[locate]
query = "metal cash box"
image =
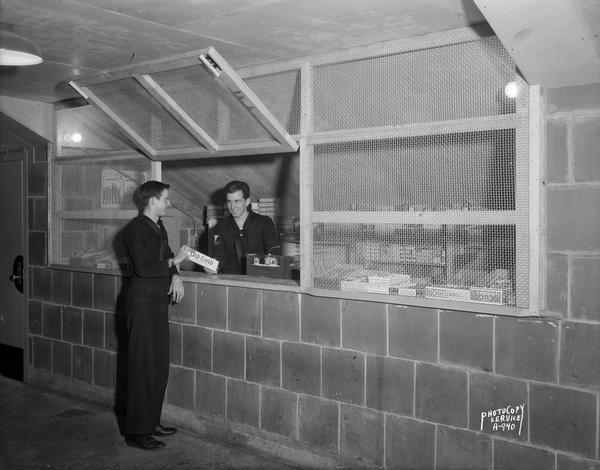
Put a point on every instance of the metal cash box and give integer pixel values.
(268, 266)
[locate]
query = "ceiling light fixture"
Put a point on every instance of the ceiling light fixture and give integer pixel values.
(17, 50)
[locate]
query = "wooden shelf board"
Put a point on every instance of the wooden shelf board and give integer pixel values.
(452, 217)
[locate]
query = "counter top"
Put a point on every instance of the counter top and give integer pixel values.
(253, 282)
(289, 285)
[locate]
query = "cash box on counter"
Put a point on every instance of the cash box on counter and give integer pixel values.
(277, 266)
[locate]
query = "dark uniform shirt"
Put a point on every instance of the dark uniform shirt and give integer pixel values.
(148, 250)
(147, 316)
(231, 245)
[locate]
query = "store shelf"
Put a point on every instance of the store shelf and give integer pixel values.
(421, 302)
(452, 217)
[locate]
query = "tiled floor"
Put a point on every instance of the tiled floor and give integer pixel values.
(40, 429)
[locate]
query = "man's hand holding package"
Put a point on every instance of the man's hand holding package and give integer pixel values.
(182, 254)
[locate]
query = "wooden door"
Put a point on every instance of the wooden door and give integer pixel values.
(13, 288)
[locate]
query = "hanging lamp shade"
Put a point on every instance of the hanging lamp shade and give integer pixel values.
(17, 50)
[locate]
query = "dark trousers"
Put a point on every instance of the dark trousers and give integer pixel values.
(147, 357)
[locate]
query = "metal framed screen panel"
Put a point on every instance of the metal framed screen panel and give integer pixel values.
(280, 92)
(84, 131)
(193, 104)
(417, 175)
(92, 204)
(134, 105)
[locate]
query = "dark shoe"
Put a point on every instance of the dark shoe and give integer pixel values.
(164, 430)
(143, 441)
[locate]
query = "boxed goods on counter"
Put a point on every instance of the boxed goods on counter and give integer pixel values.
(203, 260)
(447, 293)
(487, 295)
(378, 283)
(93, 259)
(356, 285)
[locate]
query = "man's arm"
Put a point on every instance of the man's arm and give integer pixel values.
(176, 289)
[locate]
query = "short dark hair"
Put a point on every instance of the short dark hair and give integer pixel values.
(147, 191)
(235, 185)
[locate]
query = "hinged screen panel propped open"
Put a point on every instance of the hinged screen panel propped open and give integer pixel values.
(190, 105)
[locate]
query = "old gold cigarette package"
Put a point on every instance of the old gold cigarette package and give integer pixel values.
(203, 260)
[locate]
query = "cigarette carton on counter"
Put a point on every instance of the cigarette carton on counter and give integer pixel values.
(487, 295)
(203, 260)
(354, 285)
(448, 293)
(405, 291)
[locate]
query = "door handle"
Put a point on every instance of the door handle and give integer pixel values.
(17, 273)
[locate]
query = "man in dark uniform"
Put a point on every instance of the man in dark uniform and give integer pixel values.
(241, 232)
(155, 281)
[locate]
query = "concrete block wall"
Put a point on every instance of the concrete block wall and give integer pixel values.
(75, 330)
(380, 385)
(37, 202)
(572, 191)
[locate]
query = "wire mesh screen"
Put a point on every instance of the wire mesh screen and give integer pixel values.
(280, 92)
(140, 111)
(455, 81)
(86, 131)
(211, 105)
(419, 193)
(196, 91)
(92, 205)
(462, 262)
(464, 171)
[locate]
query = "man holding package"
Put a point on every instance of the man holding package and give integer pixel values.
(241, 232)
(155, 283)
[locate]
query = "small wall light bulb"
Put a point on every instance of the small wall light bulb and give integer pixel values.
(68, 138)
(511, 90)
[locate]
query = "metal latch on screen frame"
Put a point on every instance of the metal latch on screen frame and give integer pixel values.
(211, 64)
